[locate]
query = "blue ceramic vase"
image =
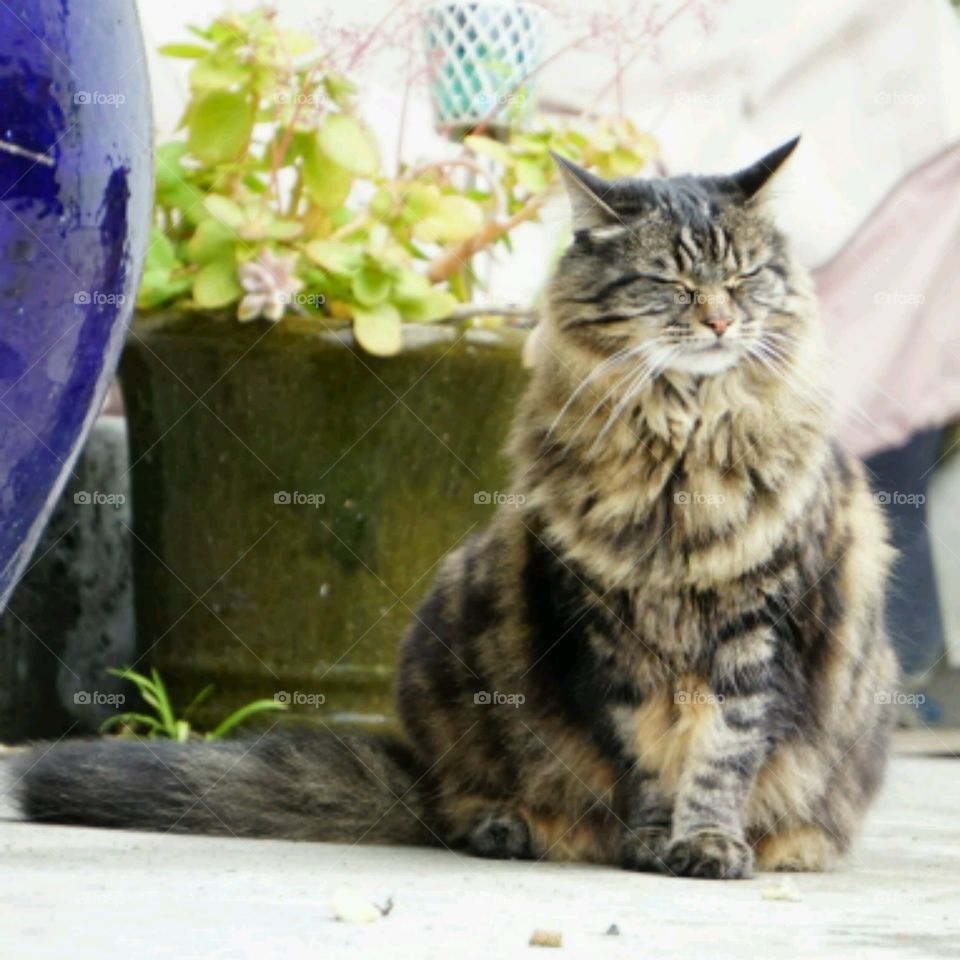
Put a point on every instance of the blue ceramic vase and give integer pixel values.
(75, 201)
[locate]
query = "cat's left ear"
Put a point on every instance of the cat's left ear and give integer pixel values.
(752, 180)
(586, 192)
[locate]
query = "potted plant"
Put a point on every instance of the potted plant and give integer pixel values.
(315, 414)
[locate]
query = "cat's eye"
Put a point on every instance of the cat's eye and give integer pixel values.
(734, 282)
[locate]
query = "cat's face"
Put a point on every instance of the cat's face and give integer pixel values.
(685, 273)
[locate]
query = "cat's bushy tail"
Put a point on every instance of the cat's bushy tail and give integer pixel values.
(299, 786)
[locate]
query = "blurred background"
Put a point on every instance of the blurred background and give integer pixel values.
(260, 508)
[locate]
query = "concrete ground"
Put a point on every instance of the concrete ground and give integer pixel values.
(76, 893)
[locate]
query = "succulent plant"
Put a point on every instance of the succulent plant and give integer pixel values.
(274, 197)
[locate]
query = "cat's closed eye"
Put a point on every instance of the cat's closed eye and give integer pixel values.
(735, 281)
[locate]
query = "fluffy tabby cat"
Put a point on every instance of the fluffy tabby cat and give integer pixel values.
(670, 656)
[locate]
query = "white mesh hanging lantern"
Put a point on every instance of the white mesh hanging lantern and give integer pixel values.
(481, 55)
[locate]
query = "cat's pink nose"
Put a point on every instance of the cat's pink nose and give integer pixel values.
(718, 323)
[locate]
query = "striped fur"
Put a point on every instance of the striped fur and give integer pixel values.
(691, 609)
(667, 652)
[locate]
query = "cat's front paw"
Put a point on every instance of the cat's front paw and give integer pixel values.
(711, 854)
(644, 848)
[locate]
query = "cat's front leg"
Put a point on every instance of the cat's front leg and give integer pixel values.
(647, 825)
(729, 743)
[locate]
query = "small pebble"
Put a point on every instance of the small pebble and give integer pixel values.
(785, 889)
(546, 938)
(349, 906)
(613, 930)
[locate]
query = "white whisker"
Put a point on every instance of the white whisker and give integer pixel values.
(646, 364)
(619, 357)
(633, 391)
(782, 365)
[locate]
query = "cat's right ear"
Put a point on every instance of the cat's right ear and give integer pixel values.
(586, 192)
(752, 180)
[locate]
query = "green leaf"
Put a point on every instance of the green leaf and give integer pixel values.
(172, 186)
(199, 698)
(531, 143)
(623, 163)
(216, 285)
(383, 204)
(327, 183)
(370, 285)
(218, 72)
(432, 306)
(350, 145)
(185, 51)
(160, 287)
(284, 229)
(238, 716)
(378, 329)
(227, 31)
(455, 218)
(131, 720)
(220, 124)
(420, 201)
(488, 148)
(255, 225)
(213, 240)
(161, 254)
(530, 174)
(298, 42)
(340, 218)
(577, 139)
(169, 156)
(225, 210)
(410, 285)
(254, 184)
(164, 708)
(339, 258)
(339, 89)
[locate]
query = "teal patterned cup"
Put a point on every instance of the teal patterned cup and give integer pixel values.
(482, 57)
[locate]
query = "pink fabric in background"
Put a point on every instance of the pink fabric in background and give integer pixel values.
(891, 305)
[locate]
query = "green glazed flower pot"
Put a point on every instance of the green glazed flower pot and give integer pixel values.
(293, 495)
